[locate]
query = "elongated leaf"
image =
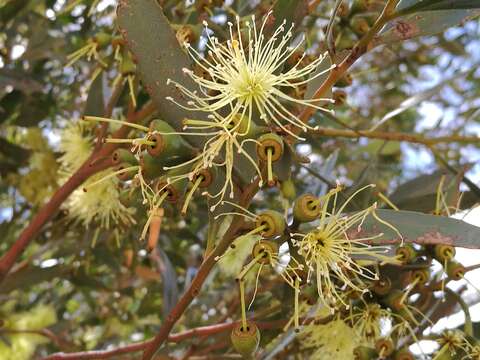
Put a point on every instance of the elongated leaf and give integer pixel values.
(420, 194)
(421, 229)
(95, 104)
(158, 54)
(424, 23)
(32, 275)
(411, 6)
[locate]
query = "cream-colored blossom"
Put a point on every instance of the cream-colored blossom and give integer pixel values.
(336, 260)
(331, 341)
(247, 74)
(101, 201)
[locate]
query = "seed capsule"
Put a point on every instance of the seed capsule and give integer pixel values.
(306, 208)
(245, 341)
(406, 253)
(455, 270)
(264, 247)
(403, 354)
(443, 253)
(270, 141)
(273, 223)
(394, 300)
(384, 347)
(382, 286)
(364, 353)
(167, 144)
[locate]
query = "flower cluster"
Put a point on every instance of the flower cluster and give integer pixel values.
(101, 202)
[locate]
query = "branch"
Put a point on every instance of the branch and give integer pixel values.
(395, 136)
(96, 162)
(192, 333)
(202, 274)
(358, 50)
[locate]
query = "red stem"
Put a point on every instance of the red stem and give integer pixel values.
(192, 333)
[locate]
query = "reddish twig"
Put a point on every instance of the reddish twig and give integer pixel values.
(192, 333)
(42, 332)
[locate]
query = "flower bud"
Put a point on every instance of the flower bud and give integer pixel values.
(287, 188)
(169, 146)
(127, 65)
(102, 39)
(245, 341)
(339, 96)
(359, 25)
(361, 6)
(120, 156)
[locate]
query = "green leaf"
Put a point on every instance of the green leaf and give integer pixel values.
(158, 54)
(30, 276)
(424, 23)
(411, 6)
(290, 10)
(420, 228)
(420, 193)
(95, 105)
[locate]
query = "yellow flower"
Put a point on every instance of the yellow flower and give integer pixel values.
(101, 201)
(331, 255)
(247, 75)
(367, 320)
(225, 137)
(331, 341)
(76, 147)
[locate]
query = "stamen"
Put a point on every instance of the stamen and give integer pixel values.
(270, 180)
(109, 176)
(242, 304)
(113, 121)
(297, 295)
(188, 198)
(131, 88)
(249, 266)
